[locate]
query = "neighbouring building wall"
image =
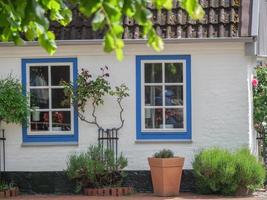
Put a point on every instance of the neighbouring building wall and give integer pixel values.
(220, 103)
(262, 30)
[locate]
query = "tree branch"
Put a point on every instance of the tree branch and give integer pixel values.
(121, 111)
(82, 117)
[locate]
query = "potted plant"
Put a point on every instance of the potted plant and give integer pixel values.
(166, 172)
(34, 107)
(13, 104)
(97, 173)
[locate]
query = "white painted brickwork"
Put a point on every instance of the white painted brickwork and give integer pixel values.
(220, 105)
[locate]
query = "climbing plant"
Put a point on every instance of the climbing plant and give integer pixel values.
(259, 83)
(93, 90)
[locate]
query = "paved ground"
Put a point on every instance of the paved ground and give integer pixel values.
(183, 196)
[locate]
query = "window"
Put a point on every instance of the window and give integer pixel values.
(163, 97)
(52, 117)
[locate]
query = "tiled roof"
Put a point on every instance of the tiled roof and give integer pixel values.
(223, 18)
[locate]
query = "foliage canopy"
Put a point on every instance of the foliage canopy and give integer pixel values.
(30, 20)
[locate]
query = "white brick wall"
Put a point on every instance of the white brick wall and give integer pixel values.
(220, 105)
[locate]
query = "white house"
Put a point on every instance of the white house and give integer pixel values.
(195, 94)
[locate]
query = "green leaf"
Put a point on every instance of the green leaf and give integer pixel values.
(129, 8)
(119, 54)
(39, 14)
(47, 42)
(98, 21)
(20, 8)
(109, 43)
(163, 4)
(193, 8)
(89, 7)
(119, 43)
(18, 40)
(112, 11)
(117, 29)
(53, 5)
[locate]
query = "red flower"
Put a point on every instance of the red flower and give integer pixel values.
(59, 117)
(255, 82)
(45, 117)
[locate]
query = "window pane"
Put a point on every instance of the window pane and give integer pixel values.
(153, 118)
(60, 73)
(59, 100)
(153, 95)
(39, 121)
(153, 73)
(38, 76)
(39, 98)
(173, 73)
(174, 95)
(174, 118)
(61, 121)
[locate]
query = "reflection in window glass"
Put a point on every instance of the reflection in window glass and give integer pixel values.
(60, 73)
(153, 118)
(174, 118)
(59, 100)
(61, 121)
(39, 98)
(38, 75)
(163, 95)
(153, 95)
(174, 95)
(153, 73)
(173, 73)
(51, 109)
(39, 121)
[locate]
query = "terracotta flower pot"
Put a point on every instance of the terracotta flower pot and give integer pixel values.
(7, 193)
(13, 192)
(2, 194)
(166, 175)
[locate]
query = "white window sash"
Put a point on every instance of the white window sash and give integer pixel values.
(50, 109)
(164, 107)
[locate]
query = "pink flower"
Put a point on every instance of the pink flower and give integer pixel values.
(255, 82)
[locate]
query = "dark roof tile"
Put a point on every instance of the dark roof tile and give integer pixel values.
(223, 18)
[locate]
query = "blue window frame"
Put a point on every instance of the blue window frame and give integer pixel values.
(59, 131)
(150, 97)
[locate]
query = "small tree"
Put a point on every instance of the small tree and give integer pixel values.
(13, 104)
(89, 90)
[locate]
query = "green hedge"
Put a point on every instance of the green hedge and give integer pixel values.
(219, 171)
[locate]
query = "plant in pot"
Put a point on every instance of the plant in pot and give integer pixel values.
(166, 172)
(96, 170)
(35, 114)
(13, 109)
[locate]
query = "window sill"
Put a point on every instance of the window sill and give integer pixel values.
(163, 141)
(38, 144)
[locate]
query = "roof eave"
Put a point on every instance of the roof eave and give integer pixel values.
(139, 41)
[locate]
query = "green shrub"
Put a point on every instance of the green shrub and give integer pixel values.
(219, 171)
(13, 104)
(164, 153)
(95, 168)
(251, 174)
